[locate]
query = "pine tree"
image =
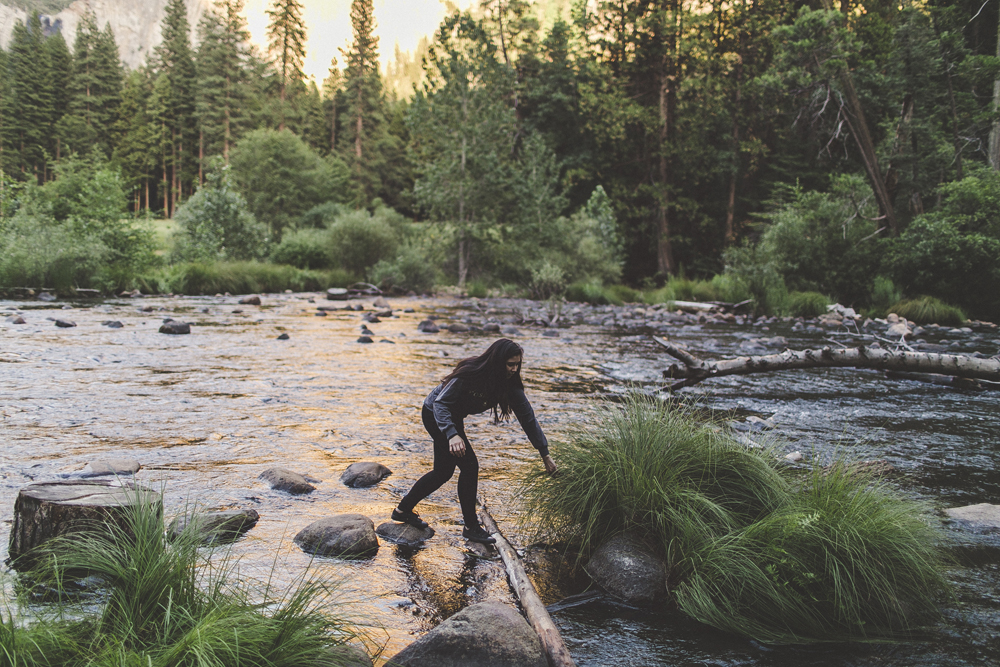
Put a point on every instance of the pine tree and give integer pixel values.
(30, 111)
(362, 80)
(332, 93)
(175, 60)
(58, 80)
(136, 149)
(108, 77)
(287, 43)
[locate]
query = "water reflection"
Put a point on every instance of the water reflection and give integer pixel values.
(207, 412)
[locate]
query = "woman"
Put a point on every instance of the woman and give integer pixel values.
(491, 381)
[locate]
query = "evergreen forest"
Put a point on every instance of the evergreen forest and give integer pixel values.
(774, 150)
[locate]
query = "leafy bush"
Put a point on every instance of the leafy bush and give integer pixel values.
(547, 281)
(281, 177)
(218, 226)
(42, 253)
(476, 289)
(757, 275)
(410, 270)
(588, 292)
(884, 294)
(304, 248)
(807, 304)
(322, 215)
(361, 239)
(928, 310)
(239, 278)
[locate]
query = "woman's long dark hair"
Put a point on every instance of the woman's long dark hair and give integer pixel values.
(487, 374)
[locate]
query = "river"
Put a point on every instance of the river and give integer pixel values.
(206, 413)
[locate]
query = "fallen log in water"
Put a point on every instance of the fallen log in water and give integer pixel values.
(538, 616)
(694, 370)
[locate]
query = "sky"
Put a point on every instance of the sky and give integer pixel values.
(328, 26)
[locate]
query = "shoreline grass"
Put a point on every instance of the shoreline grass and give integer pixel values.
(751, 547)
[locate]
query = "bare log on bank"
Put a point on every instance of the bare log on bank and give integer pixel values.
(694, 370)
(552, 643)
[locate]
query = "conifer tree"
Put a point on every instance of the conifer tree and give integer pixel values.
(174, 59)
(286, 35)
(30, 109)
(362, 81)
(332, 92)
(136, 149)
(60, 74)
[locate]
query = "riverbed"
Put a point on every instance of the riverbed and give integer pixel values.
(206, 413)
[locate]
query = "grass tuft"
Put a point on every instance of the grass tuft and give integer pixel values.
(807, 304)
(929, 310)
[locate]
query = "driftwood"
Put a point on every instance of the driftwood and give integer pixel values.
(538, 616)
(694, 370)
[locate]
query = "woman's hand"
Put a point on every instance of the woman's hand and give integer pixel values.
(456, 446)
(550, 465)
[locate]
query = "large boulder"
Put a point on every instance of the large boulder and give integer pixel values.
(214, 527)
(349, 655)
(404, 533)
(344, 536)
(983, 518)
(627, 570)
(488, 634)
(286, 480)
(364, 473)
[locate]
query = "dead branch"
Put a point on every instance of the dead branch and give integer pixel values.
(694, 370)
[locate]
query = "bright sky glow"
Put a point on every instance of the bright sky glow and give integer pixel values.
(328, 25)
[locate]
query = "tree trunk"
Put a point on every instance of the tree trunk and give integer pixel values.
(201, 158)
(548, 634)
(50, 509)
(668, 105)
(902, 138)
(695, 370)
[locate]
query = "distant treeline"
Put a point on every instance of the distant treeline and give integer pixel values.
(704, 123)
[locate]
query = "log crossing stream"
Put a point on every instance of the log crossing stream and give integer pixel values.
(206, 413)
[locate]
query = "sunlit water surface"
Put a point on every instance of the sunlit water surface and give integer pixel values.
(206, 413)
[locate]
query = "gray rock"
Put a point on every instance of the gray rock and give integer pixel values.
(112, 324)
(404, 533)
(983, 517)
(897, 329)
(215, 527)
(371, 318)
(337, 294)
(252, 300)
(491, 327)
(458, 327)
(283, 336)
(65, 323)
(174, 327)
(626, 569)
(349, 655)
(344, 536)
(550, 333)
(509, 330)
(363, 474)
(365, 339)
(488, 634)
(46, 296)
(286, 480)
(111, 467)
(16, 319)
(428, 326)
(320, 313)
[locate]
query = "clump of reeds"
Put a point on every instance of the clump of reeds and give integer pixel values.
(807, 304)
(929, 310)
(836, 555)
(239, 278)
(163, 604)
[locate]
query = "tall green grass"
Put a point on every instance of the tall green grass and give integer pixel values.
(239, 278)
(929, 310)
(163, 604)
(807, 304)
(752, 549)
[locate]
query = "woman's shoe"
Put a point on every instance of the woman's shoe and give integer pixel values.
(477, 534)
(408, 517)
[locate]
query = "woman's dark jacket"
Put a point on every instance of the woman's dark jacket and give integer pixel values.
(451, 403)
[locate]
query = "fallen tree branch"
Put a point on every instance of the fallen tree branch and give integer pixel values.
(694, 370)
(538, 616)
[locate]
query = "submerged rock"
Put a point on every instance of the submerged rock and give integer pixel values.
(66, 324)
(252, 300)
(286, 480)
(428, 326)
(364, 473)
(175, 327)
(344, 536)
(983, 517)
(488, 634)
(111, 467)
(214, 527)
(627, 570)
(404, 533)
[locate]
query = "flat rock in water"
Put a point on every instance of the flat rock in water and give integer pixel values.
(215, 527)
(286, 480)
(252, 300)
(458, 327)
(428, 326)
(983, 517)
(404, 533)
(488, 634)
(174, 327)
(343, 536)
(15, 319)
(627, 570)
(66, 324)
(111, 468)
(364, 473)
(112, 324)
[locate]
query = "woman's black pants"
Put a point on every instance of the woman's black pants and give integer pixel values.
(444, 467)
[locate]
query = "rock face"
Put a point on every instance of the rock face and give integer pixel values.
(215, 527)
(111, 468)
(488, 634)
(624, 568)
(344, 535)
(404, 533)
(983, 517)
(286, 480)
(362, 474)
(49, 509)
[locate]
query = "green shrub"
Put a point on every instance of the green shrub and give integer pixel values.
(587, 292)
(361, 239)
(322, 215)
(42, 253)
(476, 289)
(619, 294)
(547, 281)
(165, 603)
(846, 558)
(807, 304)
(757, 275)
(411, 270)
(884, 295)
(239, 278)
(928, 310)
(306, 248)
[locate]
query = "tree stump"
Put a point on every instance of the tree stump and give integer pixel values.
(48, 509)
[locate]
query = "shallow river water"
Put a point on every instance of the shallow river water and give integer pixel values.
(206, 413)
